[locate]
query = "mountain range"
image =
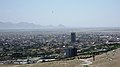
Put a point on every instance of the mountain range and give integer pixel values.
(26, 25)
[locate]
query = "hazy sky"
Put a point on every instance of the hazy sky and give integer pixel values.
(73, 13)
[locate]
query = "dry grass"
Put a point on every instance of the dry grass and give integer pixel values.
(8, 65)
(103, 61)
(70, 63)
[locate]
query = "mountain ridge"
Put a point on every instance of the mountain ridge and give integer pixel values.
(26, 25)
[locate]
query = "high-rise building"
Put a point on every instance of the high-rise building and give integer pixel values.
(73, 37)
(70, 52)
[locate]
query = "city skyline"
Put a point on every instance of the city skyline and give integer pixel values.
(77, 13)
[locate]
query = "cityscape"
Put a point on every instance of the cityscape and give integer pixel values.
(28, 47)
(59, 33)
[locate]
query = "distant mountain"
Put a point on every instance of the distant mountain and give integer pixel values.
(22, 25)
(25, 25)
(60, 25)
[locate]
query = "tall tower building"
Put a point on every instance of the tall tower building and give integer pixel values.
(70, 52)
(73, 37)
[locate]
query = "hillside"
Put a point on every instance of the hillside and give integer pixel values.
(111, 59)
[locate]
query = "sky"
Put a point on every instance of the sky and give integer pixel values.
(71, 13)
